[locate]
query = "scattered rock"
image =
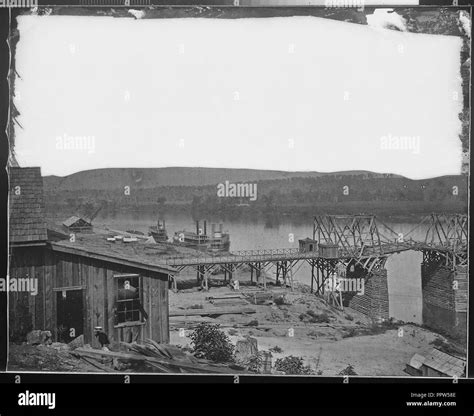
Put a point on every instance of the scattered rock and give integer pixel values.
(38, 336)
(117, 365)
(277, 372)
(280, 300)
(77, 342)
(59, 346)
(276, 349)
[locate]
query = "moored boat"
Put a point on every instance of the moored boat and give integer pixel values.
(158, 231)
(216, 242)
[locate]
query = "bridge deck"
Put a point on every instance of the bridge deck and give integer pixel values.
(289, 254)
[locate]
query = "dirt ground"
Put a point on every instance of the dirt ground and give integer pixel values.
(329, 340)
(303, 325)
(23, 357)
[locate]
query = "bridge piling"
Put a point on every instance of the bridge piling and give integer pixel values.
(354, 247)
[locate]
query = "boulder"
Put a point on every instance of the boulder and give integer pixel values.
(33, 337)
(37, 337)
(245, 349)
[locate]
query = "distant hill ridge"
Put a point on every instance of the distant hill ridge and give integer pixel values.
(144, 178)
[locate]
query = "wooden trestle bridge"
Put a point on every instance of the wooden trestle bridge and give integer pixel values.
(349, 246)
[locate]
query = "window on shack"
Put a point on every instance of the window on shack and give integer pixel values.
(129, 303)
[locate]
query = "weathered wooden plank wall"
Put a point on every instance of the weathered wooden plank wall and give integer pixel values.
(437, 287)
(461, 294)
(111, 298)
(56, 271)
(100, 291)
(27, 311)
(445, 299)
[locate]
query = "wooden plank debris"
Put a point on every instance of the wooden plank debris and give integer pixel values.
(212, 311)
(220, 297)
(229, 302)
(164, 364)
(153, 349)
(98, 365)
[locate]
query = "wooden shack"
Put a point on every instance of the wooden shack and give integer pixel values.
(99, 283)
(307, 245)
(436, 363)
(83, 282)
(77, 224)
(328, 251)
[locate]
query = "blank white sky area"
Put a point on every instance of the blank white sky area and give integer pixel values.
(293, 93)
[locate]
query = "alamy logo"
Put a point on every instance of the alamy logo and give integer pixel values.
(344, 3)
(37, 399)
(405, 143)
(81, 143)
(14, 284)
(342, 284)
(237, 190)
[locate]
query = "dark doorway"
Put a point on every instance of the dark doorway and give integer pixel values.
(70, 322)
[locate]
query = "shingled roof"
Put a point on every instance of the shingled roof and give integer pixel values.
(27, 223)
(445, 363)
(71, 221)
(139, 254)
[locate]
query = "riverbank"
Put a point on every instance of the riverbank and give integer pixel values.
(299, 214)
(304, 325)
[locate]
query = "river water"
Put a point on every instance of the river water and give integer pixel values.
(404, 269)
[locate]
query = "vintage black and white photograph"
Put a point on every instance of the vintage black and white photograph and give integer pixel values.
(239, 190)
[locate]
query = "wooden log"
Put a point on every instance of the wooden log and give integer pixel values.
(229, 302)
(222, 297)
(211, 311)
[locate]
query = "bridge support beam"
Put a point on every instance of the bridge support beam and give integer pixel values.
(364, 289)
(444, 292)
(374, 301)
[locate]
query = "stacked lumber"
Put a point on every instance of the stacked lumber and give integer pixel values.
(188, 322)
(211, 311)
(251, 289)
(162, 357)
(229, 302)
(231, 299)
(225, 296)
